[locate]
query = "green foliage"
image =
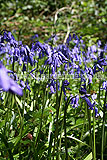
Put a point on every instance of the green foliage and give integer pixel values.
(87, 18)
(28, 124)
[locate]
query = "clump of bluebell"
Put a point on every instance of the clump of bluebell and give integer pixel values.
(73, 58)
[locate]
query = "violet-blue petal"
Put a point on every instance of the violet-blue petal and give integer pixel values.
(106, 105)
(105, 85)
(82, 90)
(52, 89)
(15, 88)
(74, 101)
(96, 111)
(4, 79)
(65, 83)
(24, 68)
(89, 103)
(69, 39)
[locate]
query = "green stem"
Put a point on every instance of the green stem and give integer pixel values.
(57, 113)
(94, 144)
(20, 118)
(66, 149)
(83, 123)
(89, 119)
(102, 144)
(5, 104)
(60, 101)
(25, 95)
(85, 117)
(36, 143)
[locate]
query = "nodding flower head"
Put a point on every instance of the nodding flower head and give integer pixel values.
(64, 86)
(85, 96)
(55, 57)
(88, 102)
(104, 85)
(83, 90)
(4, 79)
(8, 84)
(74, 101)
(68, 39)
(52, 86)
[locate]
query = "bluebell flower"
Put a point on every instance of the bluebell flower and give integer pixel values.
(39, 48)
(90, 53)
(64, 86)
(102, 62)
(65, 83)
(15, 88)
(23, 51)
(101, 55)
(52, 86)
(4, 79)
(1, 95)
(85, 96)
(86, 56)
(52, 89)
(89, 73)
(88, 102)
(65, 67)
(83, 90)
(24, 67)
(29, 54)
(55, 58)
(34, 37)
(83, 79)
(106, 105)
(3, 49)
(25, 85)
(74, 36)
(96, 111)
(105, 48)
(94, 96)
(68, 39)
(15, 50)
(97, 68)
(76, 39)
(74, 101)
(99, 43)
(1, 39)
(64, 50)
(52, 39)
(8, 84)
(93, 48)
(93, 56)
(104, 85)
(8, 36)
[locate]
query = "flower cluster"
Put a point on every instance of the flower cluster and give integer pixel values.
(73, 58)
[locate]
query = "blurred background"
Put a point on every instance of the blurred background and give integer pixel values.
(25, 18)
